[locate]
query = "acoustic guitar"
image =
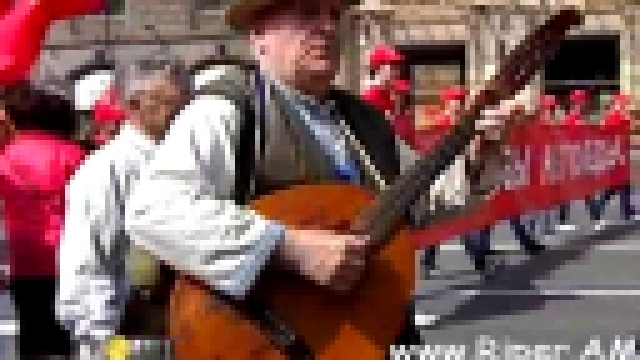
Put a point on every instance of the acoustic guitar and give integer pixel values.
(363, 323)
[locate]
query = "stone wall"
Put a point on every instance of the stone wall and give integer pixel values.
(481, 24)
(189, 30)
(484, 24)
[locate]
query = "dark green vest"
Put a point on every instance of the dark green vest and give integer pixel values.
(275, 151)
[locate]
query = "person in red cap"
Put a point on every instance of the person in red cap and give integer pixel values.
(453, 99)
(617, 115)
(107, 118)
(401, 117)
(579, 101)
(38, 155)
(548, 112)
(618, 112)
(388, 92)
(477, 243)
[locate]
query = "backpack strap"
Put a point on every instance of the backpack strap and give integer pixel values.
(236, 85)
(246, 88)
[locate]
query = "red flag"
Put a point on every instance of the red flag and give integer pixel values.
(5, 5)
(550, 165)
(24, 29)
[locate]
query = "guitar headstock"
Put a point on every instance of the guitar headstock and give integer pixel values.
(517, 68)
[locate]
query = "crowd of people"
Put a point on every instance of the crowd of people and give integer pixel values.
(49, 217)
(160, 174)
(388, 92)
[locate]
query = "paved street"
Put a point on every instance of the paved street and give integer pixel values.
(585, 290)
(587, 287)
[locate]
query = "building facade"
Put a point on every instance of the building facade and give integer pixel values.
(447, 42)
(455, 42)
(191, 28)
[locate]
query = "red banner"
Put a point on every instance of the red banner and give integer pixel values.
(548, 165)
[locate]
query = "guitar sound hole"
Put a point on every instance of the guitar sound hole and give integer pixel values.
(342, 225)
(318, 218)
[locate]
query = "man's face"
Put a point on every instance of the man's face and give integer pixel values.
(301, 38)
(158, 102)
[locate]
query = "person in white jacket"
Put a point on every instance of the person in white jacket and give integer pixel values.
(95, 272)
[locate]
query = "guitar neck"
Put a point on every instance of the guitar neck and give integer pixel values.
(383, 218)
(391, 207)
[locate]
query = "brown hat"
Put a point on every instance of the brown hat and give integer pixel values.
(242, 12)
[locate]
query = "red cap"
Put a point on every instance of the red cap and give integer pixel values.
(453, 93)
(107, 109)
(384, 55)
(579, 96)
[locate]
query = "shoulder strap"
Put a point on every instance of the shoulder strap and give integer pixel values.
(237, 86)
(246, 88)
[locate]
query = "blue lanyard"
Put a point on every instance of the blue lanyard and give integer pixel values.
(347, 172)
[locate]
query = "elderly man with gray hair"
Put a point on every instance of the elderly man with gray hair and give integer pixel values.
(97, 278)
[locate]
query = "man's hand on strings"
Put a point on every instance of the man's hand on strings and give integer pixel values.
(326, 257)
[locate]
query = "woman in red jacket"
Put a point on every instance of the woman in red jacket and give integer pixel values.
(37, 158)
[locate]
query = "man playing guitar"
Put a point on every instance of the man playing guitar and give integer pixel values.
(187, 209)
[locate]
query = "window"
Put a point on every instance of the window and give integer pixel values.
(430, 79)
(432, 67)
(585, 62)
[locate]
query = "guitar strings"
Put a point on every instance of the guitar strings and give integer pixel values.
(379, 182)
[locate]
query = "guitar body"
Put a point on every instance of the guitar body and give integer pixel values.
(362, 324)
